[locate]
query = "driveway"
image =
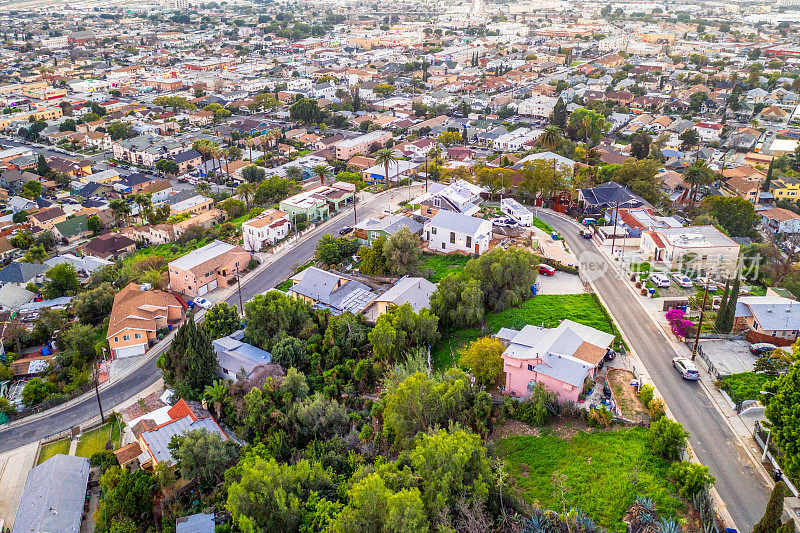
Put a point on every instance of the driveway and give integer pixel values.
(739, 484)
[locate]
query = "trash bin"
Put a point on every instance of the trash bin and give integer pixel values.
(651, 293)
(554, 235)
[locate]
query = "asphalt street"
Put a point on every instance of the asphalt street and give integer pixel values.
(739, 484)
(132, 384)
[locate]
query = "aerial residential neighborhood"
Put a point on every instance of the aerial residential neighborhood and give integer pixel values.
(422, 267)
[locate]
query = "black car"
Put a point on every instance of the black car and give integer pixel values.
(762, 348)
(345, 230)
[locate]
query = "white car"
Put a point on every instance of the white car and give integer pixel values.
(686, 368)
(202, 302)
(683, 281)
(701, 282)
(660, 280)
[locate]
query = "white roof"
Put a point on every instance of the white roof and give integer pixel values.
(201, 255)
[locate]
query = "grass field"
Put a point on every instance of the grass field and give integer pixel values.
(54, 448)
(442, 265)
(543, 226)
(95, 440)
(747, 385)
(168, 252)
(547, 309)
(598, 469)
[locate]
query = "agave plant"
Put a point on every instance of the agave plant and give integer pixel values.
(642, 515)
(586, 524)
(669, 525)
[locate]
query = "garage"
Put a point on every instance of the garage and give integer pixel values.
(212, 285)
(202, 290)
(130, 351)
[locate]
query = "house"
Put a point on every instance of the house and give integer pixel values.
(188, 160)
(772, 316)
(372, 228)
(779, 220)
(72, 229)
(196, 523)
(320, 203)
(708, 132)
(558, 358)
(204, 269)
(407, 290)
(111, 246)
(45, 219)
(187, 202)
(265, 230)
(54, 496)
(21, 273)
(184, 417)
(326, 290)
(83, 265)
(448, 231)
(703, 249)
(785, 188)
(610, 194)
(398, 170)
(235, 356)
(459, 197)
(137, 314)
(347, 148)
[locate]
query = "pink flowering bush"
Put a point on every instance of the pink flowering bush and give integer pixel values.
(681, 327)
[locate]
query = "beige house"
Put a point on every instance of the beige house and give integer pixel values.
(207, 268)
(136, 316)
(703, 249)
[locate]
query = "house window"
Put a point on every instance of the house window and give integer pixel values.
(469, 241)
(433, 230)
(137, 335)
(126, 337)
(530, 367)
(452, 237)
(116, 339)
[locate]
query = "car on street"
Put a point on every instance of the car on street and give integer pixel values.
(701, 282)
(589, 221)
(686, 368)
(202, 302)
(345, 230)
(586, 234)
(660, 280)
(546, 270)
(762, 348)
(683, 281)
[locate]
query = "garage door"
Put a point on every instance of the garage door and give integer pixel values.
(202, 290)
(212, 285)
(130, 351)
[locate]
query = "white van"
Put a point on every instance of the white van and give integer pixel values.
(660, 280)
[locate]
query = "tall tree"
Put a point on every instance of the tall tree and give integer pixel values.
(191, 362)
(384, 157)
(730, 313)
(719, 321)
(771, 521)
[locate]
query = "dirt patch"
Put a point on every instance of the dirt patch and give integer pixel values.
(627, 399)
(512, 427)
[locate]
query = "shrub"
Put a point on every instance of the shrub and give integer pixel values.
(646, 394)
(601, 417)
(253, 263)
(657, 409)
(690, 478)
(667, 438)
(538, 409)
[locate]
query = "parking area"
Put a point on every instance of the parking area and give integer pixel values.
(726, 357)
(560, 283)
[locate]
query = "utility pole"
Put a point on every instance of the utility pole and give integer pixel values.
(700, 322)
(97, 393)
(426, 171)
(355, 201)
(614, 235)
(239, 284)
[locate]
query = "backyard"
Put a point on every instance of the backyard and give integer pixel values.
(547, 310)
(95, 440)
(745, 385)
(442, 265)
(603, 473)
(53, 448)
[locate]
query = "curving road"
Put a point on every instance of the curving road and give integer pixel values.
(131, 385)
(738, 483)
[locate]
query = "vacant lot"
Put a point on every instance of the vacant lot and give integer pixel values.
(746, 385)
(442, 265)
(54, 448)
(604, 472)
(546, 309)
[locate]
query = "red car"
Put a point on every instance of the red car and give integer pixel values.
(546, 270)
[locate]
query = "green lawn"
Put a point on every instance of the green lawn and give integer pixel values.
(283, 285)
(598, 469)
(547, 309)
(168, 252)
(543, 226)
(95, 441)
(54, 448)
(747, 385)
(442, 265)
(252, 213)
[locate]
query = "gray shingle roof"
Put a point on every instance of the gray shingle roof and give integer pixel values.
(17, 272)
(453, 221)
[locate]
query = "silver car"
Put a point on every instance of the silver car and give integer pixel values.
(686, 368)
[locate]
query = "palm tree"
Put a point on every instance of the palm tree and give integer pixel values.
(551, 137)
(203, 187)
(245, 191)
(215, 394)
(294, 173)
(697, 175)
(321, 172)
(275, 134)
(120, 209)
(386, 156)
(145, 203)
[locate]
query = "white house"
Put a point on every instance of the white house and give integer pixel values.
(705, 249)
(537, 106)
(265, 230)
(708, 132)
(778, 220)
(448, 231)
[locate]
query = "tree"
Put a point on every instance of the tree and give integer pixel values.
(290, 352)
(768, 180)
(667, 439)
(35, 254)
(294, 173)
(402, 252)
(689, 139)
(221, 320)
(372, 506)
(253, 174)
(640, 145)
(306, 110)
(37, 390)
(233, 207)
(203, 455)
(67, 125)
(698, 175)
(736, 215)
(691, 478)
(322, 172)
(551, 137)
(316, 419)
(784, 417)
(730, 309)
(20, 217)
(559, 115)
(95, 304)
(385, 157)
(401, 329)
(63, 281)
(167, 166)
(449, 138)
(121, 130)
(541, 178)
(587, 125)
(127, 497)
(274, 313)
(32, 189)
(720, 320)
(332, 250)
(42, 168)
(771, 521)
(190, 363)
(120, 209)
(373, 259)
(483, 359)
(94, 225)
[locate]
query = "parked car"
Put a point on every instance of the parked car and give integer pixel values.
(660, 280)
(345, 230)
(762, 348)
(686, 368)
(589, 221)
(202, 302)
(683, 281)
(546, 270)
(586, 234)
(701, 282)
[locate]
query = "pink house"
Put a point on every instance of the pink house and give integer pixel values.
(559, 358)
